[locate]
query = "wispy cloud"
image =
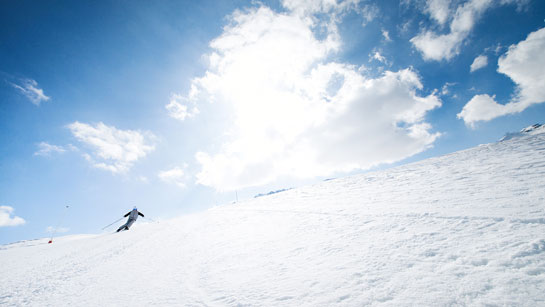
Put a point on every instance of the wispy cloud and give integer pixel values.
(479, 62)
(445, 89)
(46, 149)
(175, 176)
(369, 13)
(181, 107)
(523, 63)
(386, 35)
(6, 218)
(307, 8)
(295, 112)
(29, 88)
(51, 229)
(143, 179)
(378, 57)
(439, 47)
(114, 149)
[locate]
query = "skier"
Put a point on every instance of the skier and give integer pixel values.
(133, 215)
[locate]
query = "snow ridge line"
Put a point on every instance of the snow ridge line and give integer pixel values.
(540, 220)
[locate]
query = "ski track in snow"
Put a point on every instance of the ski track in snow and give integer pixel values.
(462, 229)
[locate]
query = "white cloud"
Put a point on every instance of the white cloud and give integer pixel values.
(439, 10)
(378, 57)
(46, 149)
(181, 108)
(175, 176)
(297, 114)
(497, 49)
(114, 150)
(386, 35)
(481, 107)
(439, 47)
(369, 13)
(445, 89)
(29, 88)
(309, 7)
(6, 218)
(51, 229)
(479, 62)
(523, 63)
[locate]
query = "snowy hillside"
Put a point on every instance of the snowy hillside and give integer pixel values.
(531, 130)
(467, 228)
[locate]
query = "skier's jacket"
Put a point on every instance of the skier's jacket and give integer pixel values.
(133, 215)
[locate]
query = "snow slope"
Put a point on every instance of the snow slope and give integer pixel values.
(463, 229)
(530, 130)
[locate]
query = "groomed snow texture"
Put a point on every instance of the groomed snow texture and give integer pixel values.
(463, 229)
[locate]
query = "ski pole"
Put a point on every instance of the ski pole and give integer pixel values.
(59, 224)
(112, 223)
(150, 219)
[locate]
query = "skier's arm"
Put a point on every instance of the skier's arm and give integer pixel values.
(140, 213)
(127, 214)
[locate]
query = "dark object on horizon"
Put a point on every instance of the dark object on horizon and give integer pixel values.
(272, 192)
(133, 215)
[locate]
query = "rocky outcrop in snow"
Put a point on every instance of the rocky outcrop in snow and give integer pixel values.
(531, 130)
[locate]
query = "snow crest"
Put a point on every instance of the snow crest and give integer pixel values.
(530, 130)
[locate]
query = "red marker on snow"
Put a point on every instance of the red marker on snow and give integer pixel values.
(59, 224)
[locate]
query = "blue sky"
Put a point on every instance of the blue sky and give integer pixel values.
(172, 106)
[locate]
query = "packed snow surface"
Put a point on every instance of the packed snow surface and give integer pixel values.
(463, 229)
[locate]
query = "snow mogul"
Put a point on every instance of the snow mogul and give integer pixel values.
(133, 215)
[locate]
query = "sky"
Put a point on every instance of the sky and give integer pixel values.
(179, 106)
